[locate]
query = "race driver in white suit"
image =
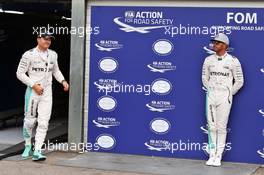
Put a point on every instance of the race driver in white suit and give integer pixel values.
(35, 70)
(222, 76)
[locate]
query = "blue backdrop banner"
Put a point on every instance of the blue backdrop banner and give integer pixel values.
(145, 91)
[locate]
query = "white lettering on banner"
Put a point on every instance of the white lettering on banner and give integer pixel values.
(150, 21)
(240, 18)
(259, 28)
(247, 28)
(160, 106)
(149, 15)
(106, 122)
(141, 21)
(147, 21)
(129, 14)
(162, 21)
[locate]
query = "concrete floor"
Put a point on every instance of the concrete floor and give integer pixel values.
(115, 164)
(110, 164)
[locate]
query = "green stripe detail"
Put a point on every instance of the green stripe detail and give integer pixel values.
(27, 98)
(211, 144)
(25, 133)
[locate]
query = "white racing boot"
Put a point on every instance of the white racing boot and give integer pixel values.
(210, 161)
(217, 161)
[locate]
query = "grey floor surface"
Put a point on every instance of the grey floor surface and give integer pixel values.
(116, 164)
(155, 165)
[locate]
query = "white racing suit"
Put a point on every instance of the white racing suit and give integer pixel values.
(40, 70)
(222, 77)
